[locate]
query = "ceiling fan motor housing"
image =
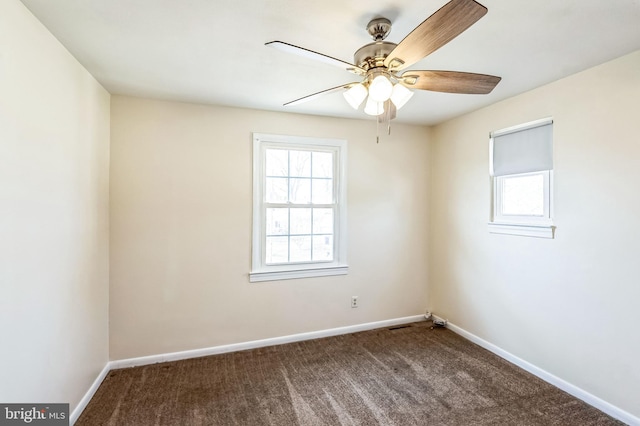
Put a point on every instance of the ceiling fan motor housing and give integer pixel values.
(372, 55)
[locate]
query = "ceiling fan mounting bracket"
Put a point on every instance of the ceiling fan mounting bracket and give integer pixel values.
(379, 28)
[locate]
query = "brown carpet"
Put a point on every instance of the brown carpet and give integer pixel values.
(411, 375)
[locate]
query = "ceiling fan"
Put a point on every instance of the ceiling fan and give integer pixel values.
(381, 64)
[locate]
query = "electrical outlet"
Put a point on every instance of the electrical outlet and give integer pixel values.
(354, 301)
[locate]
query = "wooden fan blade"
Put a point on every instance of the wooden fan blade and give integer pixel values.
(450, 81)
(319, 94)
(437, 30)
(301, 51)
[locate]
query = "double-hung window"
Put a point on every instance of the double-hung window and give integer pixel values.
(299, 207)
(521, 169)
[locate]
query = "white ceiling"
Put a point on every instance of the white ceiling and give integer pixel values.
(212, 51)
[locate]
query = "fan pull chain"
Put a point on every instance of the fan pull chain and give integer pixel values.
(388, 121)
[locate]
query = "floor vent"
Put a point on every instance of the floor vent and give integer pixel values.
(399, 327)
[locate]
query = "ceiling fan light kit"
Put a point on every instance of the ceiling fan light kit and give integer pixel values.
(400, 95)
(373, 107)
(380, 64)
(380, 88)
(355, 95)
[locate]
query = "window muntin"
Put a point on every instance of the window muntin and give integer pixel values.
(299, 206)
(299, 202)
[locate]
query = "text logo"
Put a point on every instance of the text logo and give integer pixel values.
(34, 414)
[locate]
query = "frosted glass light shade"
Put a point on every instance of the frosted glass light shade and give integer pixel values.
(373, 107)
(355, 95)
(400, 95)
(380, 89)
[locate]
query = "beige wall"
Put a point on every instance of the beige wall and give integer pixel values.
(568, 305)
(54, 179)
(181, 229)
(180, 233)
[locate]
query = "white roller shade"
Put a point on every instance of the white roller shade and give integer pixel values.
(523, 149)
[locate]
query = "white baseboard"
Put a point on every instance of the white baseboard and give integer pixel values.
(571, 389)
(195, 353)
(87, 396)
(234, 347)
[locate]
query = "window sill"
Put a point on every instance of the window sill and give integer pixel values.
(538, 231)
(298, 273)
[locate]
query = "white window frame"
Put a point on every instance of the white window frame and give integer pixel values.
(260, 270)
(522, 225)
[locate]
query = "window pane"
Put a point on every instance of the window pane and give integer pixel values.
(300, 249)
(300, 163)
(276, 190)
(322, 190)
(323, 221)
(523, 195)
(322, 164)
(300, 221)
(277, 162)
(323, 247)
(277, 221)
(277, 250)
(300, 191)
